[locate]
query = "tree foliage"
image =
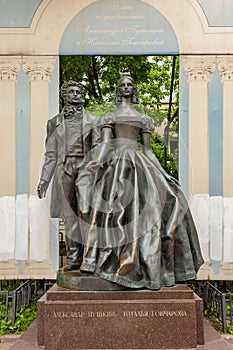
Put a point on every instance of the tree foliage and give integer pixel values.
(100, 74)
(153, 75)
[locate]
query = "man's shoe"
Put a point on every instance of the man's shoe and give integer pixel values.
(72, 266)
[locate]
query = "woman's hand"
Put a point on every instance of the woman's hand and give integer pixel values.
(93, 165)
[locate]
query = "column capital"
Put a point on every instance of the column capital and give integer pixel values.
(38, 68)
(225, 67)
(199, 68)
(9, 68)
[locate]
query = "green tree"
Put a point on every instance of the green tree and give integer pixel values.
(100, 74)
(156, 76)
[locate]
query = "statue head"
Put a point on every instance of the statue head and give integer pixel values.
(71, 85)
(118, 95)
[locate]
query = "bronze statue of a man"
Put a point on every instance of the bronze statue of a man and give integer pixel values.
(70, 136)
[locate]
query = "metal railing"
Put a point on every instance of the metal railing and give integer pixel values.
(11, 301)
(17, 296)
(21, 296)
(4, 304)
(217, 302)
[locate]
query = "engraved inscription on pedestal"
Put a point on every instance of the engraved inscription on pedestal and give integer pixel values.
(128, 314)
(121, 325)
(169, 318)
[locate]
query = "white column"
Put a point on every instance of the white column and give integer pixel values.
(225, 65)
(216, 228)
(22, 229)
(9, 68)
(228, 229)
(200, 209)
(39, 71)
(198, 70)
(7, 228)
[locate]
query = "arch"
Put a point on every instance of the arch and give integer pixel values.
(132, 27)
(186, 17)
(50, 22)
(218, 15)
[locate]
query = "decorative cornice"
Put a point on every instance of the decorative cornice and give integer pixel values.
(38, 68)
(199, 68)
(9, 69)
(225, 67)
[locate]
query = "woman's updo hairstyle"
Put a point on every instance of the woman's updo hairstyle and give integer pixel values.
(118, 95)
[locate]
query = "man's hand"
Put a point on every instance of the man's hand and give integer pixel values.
(42, 188)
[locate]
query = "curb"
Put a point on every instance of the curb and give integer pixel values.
(9, 338)
(228, 338)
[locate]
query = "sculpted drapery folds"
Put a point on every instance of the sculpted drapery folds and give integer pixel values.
(140, 232)
(126, 220)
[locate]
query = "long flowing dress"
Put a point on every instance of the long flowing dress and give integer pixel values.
(141, 233)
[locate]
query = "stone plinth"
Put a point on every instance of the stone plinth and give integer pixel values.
(170, 318)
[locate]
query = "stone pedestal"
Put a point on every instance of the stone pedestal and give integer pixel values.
(170, 318)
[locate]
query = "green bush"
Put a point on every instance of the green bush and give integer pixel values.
(23, 320)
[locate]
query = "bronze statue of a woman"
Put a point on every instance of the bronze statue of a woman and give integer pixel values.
(141, 233)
